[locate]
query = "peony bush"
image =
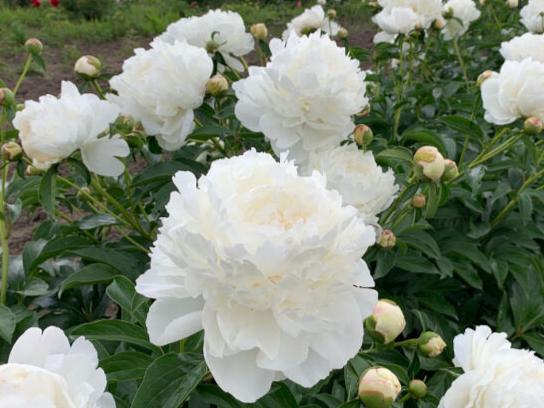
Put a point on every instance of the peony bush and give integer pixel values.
(237, 220)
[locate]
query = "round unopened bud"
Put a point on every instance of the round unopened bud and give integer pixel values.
(88, 66)
(387, 239)
(482, 2)
(342, 33)
(11, 151)
(419, 201)
(259, 31)
(431, 344)
(6, 97)
(331, 13)
(512, 3)
(83, 192)
(34, 46)
(439, 23)
(363, 135)
(378, 388)
(217, 85)
(212, 46)
(483, 76)
(321, 2)
(430, 162)
(533, 125)
(450, 170)
(386, 322)
(33, 171)
(417, 389)
(364, 112)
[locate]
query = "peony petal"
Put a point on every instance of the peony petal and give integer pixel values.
(100, 156)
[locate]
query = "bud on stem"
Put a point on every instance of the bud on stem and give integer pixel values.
(431, 344)
(379, 388)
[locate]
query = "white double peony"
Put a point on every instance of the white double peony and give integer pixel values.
(268, 263)
(304, 98)
(528, 45)
(44, 371)
(357, 177)
(460, 13)
(516, 91)
(161, 86)
(495, 375)
(312, 19)
(532, 16)
(216, 31)
(53, 128)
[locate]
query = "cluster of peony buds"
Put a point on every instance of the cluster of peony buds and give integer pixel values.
(379, 387)
(386, 322)
(431, 165)
(88, 66)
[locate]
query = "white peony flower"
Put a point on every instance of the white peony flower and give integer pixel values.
(528, 45)
(216, 31)
(161, 86)
(404, 16)
(44, 371)
(53, 128)
(517, 91)
(304, 98)
(495, 375)
(357, 177)
(532, 16)
(383, 37)
(269, 264)
(461, 13)
(312, 19)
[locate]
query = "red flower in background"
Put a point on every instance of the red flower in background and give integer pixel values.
(54, 3)
(36, 3)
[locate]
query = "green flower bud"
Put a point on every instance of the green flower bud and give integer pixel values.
(331, 13)
(259, 31)
(533, 125)
(363, 135)
(217, 85)
(7, 97)
(429, 162)
(431, 344)
(11, 151)
(34, 46)
(451, 171)
(387, 239)
(417, 389)
(342, 33)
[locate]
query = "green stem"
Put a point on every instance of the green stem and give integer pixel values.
(26, 67)
(4, 233)
(406, 343)
(400, 198)
(461, 61)
(98, 89)
(494, 152)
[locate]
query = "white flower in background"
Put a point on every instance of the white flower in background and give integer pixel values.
(517, 91)
(495, 375)
(404, 16)
(269, 264)
(321, 2)
(532, 16)
(312, 19)
(357, 177)
(216, 31)
(44, 371)
(460, 13)
(383, 37)
(528, 45)
(161, 86)
(53, 128)
(304, 98)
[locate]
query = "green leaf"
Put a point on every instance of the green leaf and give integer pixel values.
(215, 396)
(464, 126)
(126, 366)
(125, 263)
(394, 155)
(169, 380)
(133, 305)
(95, 221)
(424, 136)
(37, 254)
(88, 275)
(7, 323)
(48, 191)
(279, 396)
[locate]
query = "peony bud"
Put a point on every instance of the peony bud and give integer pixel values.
(11, 151)
(363, 135)
(483, 76)
(6, 97)
(33, 171)
(259, 31)
(431, 344)
(430, 162)
(34, 46)
(364, 112)
(533, 125)
(439, 23)
(387, 239)
(342, 33)
(212, 46)
(88, 66)
(217, 85)
(419, 201)
(417, 389)
(321, 2)
(512, 3)
(378, 388)
(450, 170)
(482, 2)
(386, 322)
(83, 192)
(331, 13)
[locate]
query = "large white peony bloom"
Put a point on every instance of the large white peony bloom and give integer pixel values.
(269, 264)
(216, 31)
(44, 371)
(404, 16)
(495, 375)
(517, 91)
(532, 16)
(312, 19)
(528, 45)
(357, 177)
(53, 128)
(460, 14)
(304, 98)
(161, 86)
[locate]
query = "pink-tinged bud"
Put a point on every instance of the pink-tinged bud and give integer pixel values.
(88, 66)
(11, 151)
(34, 46)
(259, 31)
(451, 171)
(386, 322)
(484, 76)
(533, 125)
(429, 162)
(439, 23)
(419, 201)
(387, 239)
(431, 344)
(217, 85)
(379, 388)
(417, 389)
(342, 33)
(363, 135)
